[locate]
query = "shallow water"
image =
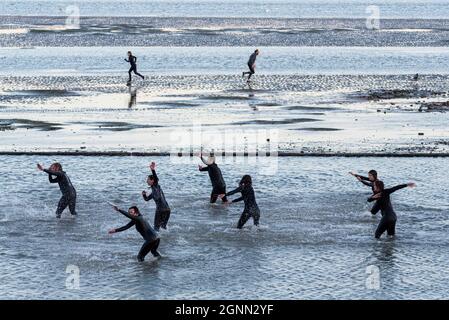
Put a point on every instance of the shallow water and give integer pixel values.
(224, 60)
(29, 32)
(315, 239)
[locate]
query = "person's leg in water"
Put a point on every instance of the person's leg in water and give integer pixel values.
(154, 248)
(213, 196)
(165, 217)
(243, 219)
(391, 230)
(382, 227)
(147, 247)
(158, 220)
(256, 217)
(215, 193)
(63, 203)
(72, 205)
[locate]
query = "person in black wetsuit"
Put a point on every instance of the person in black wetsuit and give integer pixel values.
(218, 184)
(57, 175)
(382, 197)
(369, 182)
(251, 65)
(162, 209)
(143, 227)
(132, 60)
(251, 208)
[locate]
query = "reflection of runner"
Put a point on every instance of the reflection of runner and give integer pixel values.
(251, 65)
(132, 97)
(251, 209)
(57, 175)
(216, 178)
(388, 221)
(132, 60)
(145, 230)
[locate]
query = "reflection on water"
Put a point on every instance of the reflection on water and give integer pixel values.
(132, 97)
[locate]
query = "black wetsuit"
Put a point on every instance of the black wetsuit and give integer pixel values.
(388, 221)
(146, 231)
(251, 61)
(218, 184)
(68, 191)
(251, 207)
(367, 182)
(162, 213)
(132, 60)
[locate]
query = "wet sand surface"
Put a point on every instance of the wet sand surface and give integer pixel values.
(298, 113)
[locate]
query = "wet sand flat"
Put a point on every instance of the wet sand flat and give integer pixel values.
(350, 113)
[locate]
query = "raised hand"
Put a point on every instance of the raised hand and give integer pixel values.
(40, 167)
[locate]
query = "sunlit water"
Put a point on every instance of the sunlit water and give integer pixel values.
(315, 239)
(224, 60)
(232, 8)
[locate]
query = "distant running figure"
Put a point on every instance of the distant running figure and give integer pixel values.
(382, 196)
(251, 208)
(218, 184)
(143, 227)
(368, 181)
(132, 60)
(251, 65)
(57, 175)
(162, 213)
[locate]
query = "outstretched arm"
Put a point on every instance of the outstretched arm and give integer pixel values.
(125, 227)
(238, 199)
(358, 176)
(366, 183)
(230, 193)
(389, 191)
(398, 187)
(125, 213)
